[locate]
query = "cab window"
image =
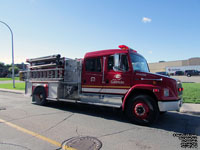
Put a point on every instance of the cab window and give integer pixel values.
(93, 65)
(110, 62)
(139, 63)
(122, 62)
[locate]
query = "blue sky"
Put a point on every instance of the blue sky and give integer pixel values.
(158, 29)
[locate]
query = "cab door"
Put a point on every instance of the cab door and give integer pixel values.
(118, 78)
(92, 75)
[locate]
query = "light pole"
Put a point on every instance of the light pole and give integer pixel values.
(13, 72)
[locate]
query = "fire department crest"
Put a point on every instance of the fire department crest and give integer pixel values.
(118, 76)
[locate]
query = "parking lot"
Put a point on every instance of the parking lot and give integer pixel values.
(192, 79)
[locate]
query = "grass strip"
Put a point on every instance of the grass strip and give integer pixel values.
(191, 93)
(8, 79)
(18, 86)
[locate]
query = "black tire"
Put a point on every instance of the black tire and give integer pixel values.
(39, 96)
(189, 75)
(142, 110)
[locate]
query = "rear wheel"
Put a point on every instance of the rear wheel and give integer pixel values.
(39, 96)
(142, 109)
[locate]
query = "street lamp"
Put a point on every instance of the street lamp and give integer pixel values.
(13, 72)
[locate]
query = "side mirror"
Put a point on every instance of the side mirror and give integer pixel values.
(118, 66)
(116, 63)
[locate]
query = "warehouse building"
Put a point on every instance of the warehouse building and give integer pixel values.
(172, 66)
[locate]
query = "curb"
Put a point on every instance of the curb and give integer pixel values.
(190, 112)
(12, 91)
(190, 108)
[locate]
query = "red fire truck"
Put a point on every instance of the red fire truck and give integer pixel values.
(115, 78)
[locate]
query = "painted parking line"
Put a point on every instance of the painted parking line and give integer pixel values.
(37, 135)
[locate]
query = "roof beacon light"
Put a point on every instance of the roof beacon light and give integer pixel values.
(124, 47)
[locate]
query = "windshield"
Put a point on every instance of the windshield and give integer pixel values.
(139, 63)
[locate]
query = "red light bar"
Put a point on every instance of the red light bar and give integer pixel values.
(123, 47)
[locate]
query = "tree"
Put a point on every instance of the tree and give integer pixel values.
(8, 66)
(16, 70)
(2, 64)
(3, 70)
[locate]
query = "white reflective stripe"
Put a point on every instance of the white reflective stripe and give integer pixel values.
(91, 90)
(99, 90)
(118, 91)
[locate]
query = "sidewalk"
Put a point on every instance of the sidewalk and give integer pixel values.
(10, 81)
(190, 108)
(186, 108)
(13, 91)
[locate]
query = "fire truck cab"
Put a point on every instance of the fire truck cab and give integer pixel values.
(115, 78)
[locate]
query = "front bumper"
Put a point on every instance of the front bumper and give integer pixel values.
(170, 105)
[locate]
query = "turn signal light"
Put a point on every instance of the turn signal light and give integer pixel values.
(180, 89)
(155, 90)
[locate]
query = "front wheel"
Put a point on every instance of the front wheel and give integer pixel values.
(142, 109)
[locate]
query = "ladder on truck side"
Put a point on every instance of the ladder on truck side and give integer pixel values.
(48, 68)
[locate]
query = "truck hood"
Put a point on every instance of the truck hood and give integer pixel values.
(160, 81)
(151, 76)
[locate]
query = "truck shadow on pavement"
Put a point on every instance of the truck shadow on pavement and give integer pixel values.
(179, 122)
(184, 123)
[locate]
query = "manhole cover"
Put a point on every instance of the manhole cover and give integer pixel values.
(82, 143)
(2, 108)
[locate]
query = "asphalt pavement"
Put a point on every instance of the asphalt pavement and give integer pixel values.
(29, 127)
(185, 79)
(26, 126)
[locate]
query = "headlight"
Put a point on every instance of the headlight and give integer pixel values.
(166, 92)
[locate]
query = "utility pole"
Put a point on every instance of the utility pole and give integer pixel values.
(13, 71)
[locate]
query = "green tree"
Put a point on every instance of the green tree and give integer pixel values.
(2, 64)
(16, 70)
(8, 66)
